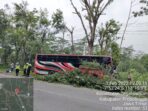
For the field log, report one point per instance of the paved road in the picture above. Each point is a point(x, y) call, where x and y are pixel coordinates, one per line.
point(56, 97)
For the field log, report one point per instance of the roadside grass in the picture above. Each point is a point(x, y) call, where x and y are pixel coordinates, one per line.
point(139, 81)
point(135, 76)
point(2, 68)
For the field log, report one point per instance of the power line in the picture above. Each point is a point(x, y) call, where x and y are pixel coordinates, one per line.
point(137, 31)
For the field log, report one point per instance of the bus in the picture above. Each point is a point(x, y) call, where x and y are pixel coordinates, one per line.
point(50, 63)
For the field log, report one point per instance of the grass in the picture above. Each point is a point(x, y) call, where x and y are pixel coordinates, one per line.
point(3, 68)
point(140, 80)
point(135, 75)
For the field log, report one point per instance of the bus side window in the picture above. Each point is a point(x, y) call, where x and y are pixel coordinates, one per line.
point(42, 58)
point(62, 59)
point(39, 57)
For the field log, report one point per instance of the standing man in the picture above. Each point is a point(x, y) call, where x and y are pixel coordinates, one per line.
point(129, 77)
point(17, 69)
point(25, 69)
point(12, 66)
point(28, 69)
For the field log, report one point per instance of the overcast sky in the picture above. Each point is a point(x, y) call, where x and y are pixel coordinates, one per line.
point(137, 34)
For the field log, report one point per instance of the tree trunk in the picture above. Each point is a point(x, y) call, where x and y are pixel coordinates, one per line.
point(90, 48)
point(72, 43)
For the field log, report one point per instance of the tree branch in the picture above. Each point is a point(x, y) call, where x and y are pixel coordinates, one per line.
point(104, 7)
point(80, 17)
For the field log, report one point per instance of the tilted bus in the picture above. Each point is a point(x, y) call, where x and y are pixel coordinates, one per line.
point(49, 63)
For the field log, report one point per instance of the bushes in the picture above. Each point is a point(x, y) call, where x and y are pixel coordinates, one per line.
point(75, 78)
point(93, 64)
point(135, 75)
point(126, 65)
point(3, 68)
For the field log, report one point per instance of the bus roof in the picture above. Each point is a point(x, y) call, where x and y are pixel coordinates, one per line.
point(75, 55)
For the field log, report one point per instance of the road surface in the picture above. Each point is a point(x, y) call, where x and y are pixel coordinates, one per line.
point(56, 97)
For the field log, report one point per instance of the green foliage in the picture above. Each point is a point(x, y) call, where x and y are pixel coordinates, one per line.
point(24, 33)
point(75, 78)
point(93, 64)
point(5, 47)
point(143, 9)
point(128, 61)
point(58, 20)
point(108, 35)
point(115, 53)
point(3, 68)
point(123, 76)
point(144, 61)
point(126, 65)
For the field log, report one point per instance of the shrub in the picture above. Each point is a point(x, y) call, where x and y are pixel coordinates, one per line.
point(75, 78)
point(93, 64)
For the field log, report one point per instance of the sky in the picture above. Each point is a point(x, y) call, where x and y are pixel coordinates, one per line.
point(137, 32)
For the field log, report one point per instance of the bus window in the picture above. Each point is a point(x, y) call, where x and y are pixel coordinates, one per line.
point(39, 57)
point(51, 58)
point(106, 60)
point(62, 59)
point(74, 60)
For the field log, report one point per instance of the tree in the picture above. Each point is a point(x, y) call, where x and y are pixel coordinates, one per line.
point(71, 36)
point(59, 24)
point(23, 31)
point(93, 10)
point(4, 39)
point(144, 61)
point(115, 51)
point(43, 29)
point(128, 61)
point(143, 10)
point(107, 35)
point(58, 20)
point(80, 46)
point(57, 46)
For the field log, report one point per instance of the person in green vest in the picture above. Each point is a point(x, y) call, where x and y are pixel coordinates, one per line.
point(28, 69)
point(25, 69)
point(17, 69)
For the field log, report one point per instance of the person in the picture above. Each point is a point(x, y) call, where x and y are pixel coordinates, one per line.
point(112, 71)
point(129, 77)
point(12, 67)
point(17, 69)
point(25, 69)
point(28, 69)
